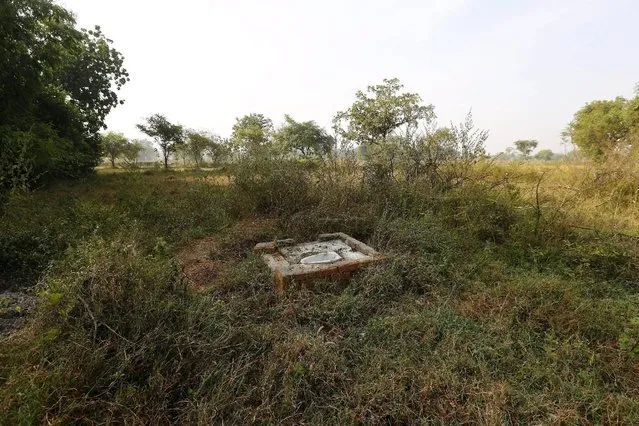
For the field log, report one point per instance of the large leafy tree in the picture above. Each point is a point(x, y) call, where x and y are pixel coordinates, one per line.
point(380, 111)
point(306, 138)
point(601, 127)
point(167, 135)
point(252, 134)
point(57, 85)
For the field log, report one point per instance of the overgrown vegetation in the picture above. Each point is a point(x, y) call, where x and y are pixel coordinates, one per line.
point(508, 297)
point(57, 85)
point(508, 294)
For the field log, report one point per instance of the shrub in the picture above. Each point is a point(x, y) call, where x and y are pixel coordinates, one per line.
point(117, 332)
point(273, 186)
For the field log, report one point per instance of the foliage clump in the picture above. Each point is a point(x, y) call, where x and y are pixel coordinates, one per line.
point(57, 85)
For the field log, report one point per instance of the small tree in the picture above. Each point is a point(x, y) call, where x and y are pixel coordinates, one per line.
point(425, 151)
point(508, 154)
point(601, 127)
point(218, 149)
point(252, 134)
point(149, 152)
point(545, 155)
point(306, 138)
point(376, 120)
point(113, 146)
point(467, 145)
point(167, 135)
point(131, 152)
point(526, 146)
point(444, 155)
point(196, 144)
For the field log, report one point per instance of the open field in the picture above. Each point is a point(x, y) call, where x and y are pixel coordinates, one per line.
point(509, 298)
point(419, 264)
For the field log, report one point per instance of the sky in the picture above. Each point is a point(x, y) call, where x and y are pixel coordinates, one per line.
point(523, 67)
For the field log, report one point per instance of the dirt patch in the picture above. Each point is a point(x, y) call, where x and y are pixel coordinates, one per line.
point(196, 260)
point(239, 240)
point(201, 274)
point(202, 259)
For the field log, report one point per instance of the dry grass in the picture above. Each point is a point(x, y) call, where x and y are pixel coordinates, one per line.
point(508, 299)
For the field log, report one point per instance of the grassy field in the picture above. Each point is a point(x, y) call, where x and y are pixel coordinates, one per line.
point(510, 297)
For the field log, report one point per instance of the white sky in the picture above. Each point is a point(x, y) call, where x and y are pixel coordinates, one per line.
point(524, 67)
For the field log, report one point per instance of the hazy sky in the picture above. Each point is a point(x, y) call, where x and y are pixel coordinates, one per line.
point(524, 67)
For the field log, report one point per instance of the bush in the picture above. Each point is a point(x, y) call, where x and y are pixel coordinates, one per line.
point(117, 332)
point(273, 186)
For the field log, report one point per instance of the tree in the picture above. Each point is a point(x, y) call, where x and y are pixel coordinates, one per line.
point(57, 84)
point(545, 155)
point(113, 146)
point(601, 127)
point(252, 134)
point(132, 151)
point(526, 146)
point(218, 149)
point(508, 154)
point(167, 135)
point(149, 152)
point(376, 114)
point(306, 138)
point(196, 144)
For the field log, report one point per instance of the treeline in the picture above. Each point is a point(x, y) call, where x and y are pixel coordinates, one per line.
point(387, 125)
point(523, 149)
point(599, 130)
point(395, 134)
point(253, 136)
point(58, 83)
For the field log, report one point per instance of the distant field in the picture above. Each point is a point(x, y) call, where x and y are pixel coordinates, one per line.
point(508, 297)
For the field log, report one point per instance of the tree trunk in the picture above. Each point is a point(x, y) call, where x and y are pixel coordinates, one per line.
point(166, 162)
point(112, 162)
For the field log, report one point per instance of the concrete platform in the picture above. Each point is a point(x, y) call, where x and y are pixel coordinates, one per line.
point(333, 256)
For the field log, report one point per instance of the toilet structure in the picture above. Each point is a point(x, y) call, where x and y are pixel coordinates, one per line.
point(334, 256)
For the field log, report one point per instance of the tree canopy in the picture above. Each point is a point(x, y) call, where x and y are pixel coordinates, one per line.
point(113, 146)
point(377, 113)
point(252, 133)
point(200, 143)
point(131, 152)
point(167, 135)
point(57, 85)
point(526, 146)
point(545, 155)
point(305, 138)
point(601, 127)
